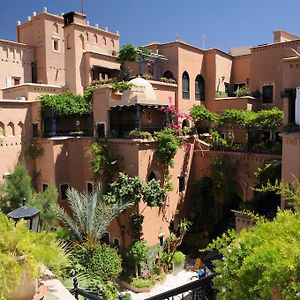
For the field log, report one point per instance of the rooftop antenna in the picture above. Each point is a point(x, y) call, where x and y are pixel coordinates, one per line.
point(82, 6)
point(202, 40)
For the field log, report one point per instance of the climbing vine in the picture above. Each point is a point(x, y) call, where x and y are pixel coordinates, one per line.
point(167, 146)
point(64, 104)
point(102, 163)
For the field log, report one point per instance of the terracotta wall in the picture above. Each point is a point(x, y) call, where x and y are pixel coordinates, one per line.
point(190, 60)
point(210, 79)
point(15, 135)
point(54, 30)
point(223, 70)
point(246, 103)
point(267, 67)
point(245, 163)
point(290, 156)
point(241, 69)
point(15, 62)
point(65, 161)
point(33, 33)
point(31, 91)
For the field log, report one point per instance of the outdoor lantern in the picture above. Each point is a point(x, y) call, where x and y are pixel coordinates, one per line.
point(29, 214)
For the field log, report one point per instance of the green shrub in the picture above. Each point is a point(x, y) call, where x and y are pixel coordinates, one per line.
point(200, 113)
point(142, 282)
point(154, 194)
point(137, 134)
point(244, 91)
point(16, 186)
point(178, 258)
point(221, 94)
point(64, 104)
point(22, 249)
point(99, 261)
point(137, 252)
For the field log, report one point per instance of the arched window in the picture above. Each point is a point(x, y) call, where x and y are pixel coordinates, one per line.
point(104, 40)
point(185, 86)
point(96, 38)
point(199, 88)
point(55, 25)
point(151, 176)
point(2, 129)
point(82, 41)
point(10, 129)
point(112, 43)
point(185, 123)
point(20, 128)
point(169, 75)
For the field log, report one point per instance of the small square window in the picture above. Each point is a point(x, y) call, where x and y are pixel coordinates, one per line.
point(63, 191)
point(116, 243)
point(267, 94)
point(35, 130)
point(90, 187)
point(16, 80)
point(238, 86)
point(105, 238)
point(101, 130)
point(44, 187)
point(181, 181)
point(55, 45)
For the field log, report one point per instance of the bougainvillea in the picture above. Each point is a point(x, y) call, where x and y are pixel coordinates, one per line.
point(176, 117)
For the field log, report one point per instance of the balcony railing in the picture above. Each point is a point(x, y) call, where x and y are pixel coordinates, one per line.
point(201, 289)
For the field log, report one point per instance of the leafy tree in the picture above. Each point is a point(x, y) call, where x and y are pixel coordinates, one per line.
point(154, 194)
point(43, 202)
point(263, 261)
point(125, 189)
point(137, 253)
point(136, 226)
point(91, 214)
point(16, 186)
point(200, 113)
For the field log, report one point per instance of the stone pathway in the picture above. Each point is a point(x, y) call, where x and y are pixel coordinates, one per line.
point(171, 282)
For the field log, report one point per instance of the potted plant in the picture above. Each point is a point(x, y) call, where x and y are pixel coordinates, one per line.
point(22, 253)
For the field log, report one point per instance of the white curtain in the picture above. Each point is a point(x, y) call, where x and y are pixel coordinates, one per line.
point(297, 106)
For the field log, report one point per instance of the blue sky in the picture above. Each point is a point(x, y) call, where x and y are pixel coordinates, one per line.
point(224, 23)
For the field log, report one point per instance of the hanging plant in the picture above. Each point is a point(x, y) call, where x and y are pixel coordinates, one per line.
point(167, 146)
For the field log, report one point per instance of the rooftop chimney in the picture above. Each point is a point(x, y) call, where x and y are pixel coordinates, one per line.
point(29, 18)
point(34, 14)
point(45, 9)
point(19, 23)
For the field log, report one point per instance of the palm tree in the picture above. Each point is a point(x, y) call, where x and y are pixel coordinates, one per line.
point(91, 215)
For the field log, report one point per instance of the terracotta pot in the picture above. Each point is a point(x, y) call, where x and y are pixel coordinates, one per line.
point(25, 290)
